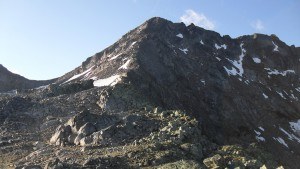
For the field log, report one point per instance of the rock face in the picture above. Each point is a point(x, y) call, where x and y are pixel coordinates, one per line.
point(10, 81)
point(165, 95)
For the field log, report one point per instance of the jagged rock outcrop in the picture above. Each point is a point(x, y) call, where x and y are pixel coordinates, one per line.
point(165, 95)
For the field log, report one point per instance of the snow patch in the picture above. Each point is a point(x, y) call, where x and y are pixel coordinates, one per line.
point(185, 50)
point(280, 93)
point(179, 35)
point(219, 47)
point(231, 71)
point(277, 72)
point(94, 78)
point(42, 87)
point(133, 43)
point(258, 136)
point(79, 75)
point(290, 136)
point(238, 64)
point(203, 81)
point(261, 128)
point(295, 126)
point(115, 57)
point(257, 132)
point(125, 66)
point(247, 82)
point(110, 81)
point(298, 89)
point(294, 97)
point(265, 96)
point(256, 60)
point(201, 42)
point(281, 141)
point(219, 59)
point(275, 47)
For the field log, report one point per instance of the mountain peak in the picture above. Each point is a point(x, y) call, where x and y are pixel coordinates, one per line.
point(158, 81)
point(157, 20)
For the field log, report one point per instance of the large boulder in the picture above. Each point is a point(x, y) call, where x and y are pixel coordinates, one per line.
point(87, 129)
point(61, 135)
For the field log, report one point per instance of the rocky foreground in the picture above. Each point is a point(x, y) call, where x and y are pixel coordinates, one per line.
point(165, 95)
point(60, 132)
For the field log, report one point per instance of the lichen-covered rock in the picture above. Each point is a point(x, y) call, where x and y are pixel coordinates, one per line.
point(214, 162)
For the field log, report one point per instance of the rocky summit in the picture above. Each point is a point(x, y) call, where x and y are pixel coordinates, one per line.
point(165, 95)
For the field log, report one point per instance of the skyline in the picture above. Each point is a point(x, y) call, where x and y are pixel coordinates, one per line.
point(44, 40)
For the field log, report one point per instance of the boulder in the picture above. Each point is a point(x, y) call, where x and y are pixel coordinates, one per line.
point(78, 138)
point(79, 120)
point(87, 129)
point(61, 135)
point(215, 161)
point(86, 140)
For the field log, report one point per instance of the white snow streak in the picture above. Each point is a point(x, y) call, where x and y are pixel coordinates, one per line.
point(231, 71)
point(125, 66)
point(115, 57)
point(238, 64)
point(179, 35)
point(295, 126)
point(111, 81)
point(258, 136)
point(219, 59)
point(133, 43)
point(184, 50)
point(78, 75)
point(290, 136)
point(261, 128)
point(256, 60)
point(280, 93)
point(265, 96)
point(281, 141)
point(219, 47)
point(201, 42)
point(277, 72)
point(203, 81)
point(275, 47)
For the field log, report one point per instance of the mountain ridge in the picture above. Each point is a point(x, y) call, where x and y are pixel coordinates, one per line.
point(182, 91)
point(11, 81)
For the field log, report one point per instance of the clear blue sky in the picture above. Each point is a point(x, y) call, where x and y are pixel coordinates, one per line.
point(45, 39)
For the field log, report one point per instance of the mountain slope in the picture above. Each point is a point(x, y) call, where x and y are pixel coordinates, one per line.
point(180, 92)
point(10, 81)
point(234, 86)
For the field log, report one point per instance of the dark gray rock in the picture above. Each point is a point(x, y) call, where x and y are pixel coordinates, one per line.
point(61, 135)
point(55, 164)
point(11, 81)
point(87, 129)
